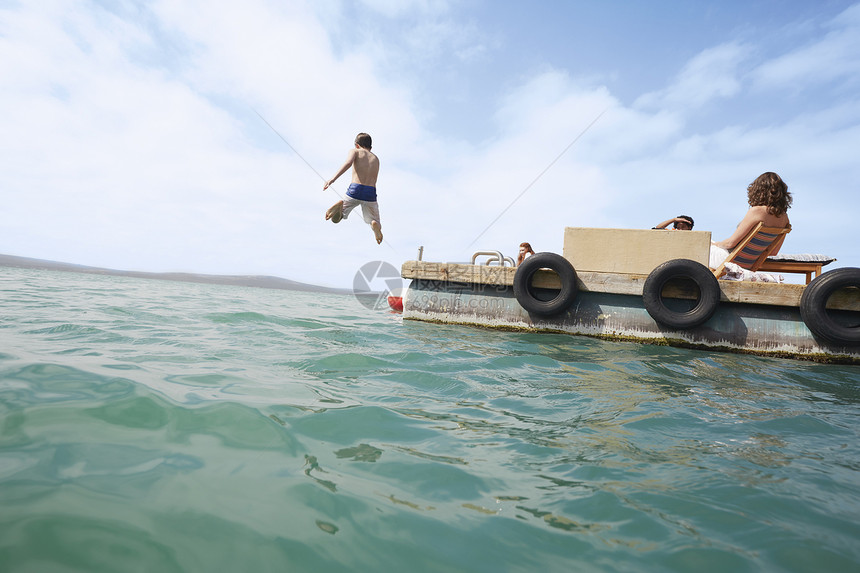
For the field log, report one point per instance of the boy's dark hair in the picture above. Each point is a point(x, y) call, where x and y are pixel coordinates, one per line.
point(685, 217)
point(363, 140)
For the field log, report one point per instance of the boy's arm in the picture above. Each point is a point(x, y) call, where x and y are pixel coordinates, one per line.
point(349, 161)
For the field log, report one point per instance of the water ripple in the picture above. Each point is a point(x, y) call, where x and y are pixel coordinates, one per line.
point(174, 427)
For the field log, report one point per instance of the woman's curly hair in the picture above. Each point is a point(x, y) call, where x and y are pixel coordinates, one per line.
point(770, 190)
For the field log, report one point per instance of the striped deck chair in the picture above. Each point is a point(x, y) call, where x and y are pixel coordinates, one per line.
point(754, 249)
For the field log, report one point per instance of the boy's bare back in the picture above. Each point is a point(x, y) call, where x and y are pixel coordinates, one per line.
point(365, 166)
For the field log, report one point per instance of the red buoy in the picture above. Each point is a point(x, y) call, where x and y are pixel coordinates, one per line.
point(395, 300)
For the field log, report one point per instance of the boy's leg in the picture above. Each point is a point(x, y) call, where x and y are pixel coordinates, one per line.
point(370, 211)
point(377, 231)
point(335, 212)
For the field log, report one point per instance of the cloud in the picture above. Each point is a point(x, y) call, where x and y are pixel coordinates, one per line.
point(712, 74)
point(397, 8)
point(111, 157)
point(835, 56)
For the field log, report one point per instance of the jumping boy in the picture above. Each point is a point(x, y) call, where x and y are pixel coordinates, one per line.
point(362, 190)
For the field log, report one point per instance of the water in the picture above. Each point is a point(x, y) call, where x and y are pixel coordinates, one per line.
point(158, 426)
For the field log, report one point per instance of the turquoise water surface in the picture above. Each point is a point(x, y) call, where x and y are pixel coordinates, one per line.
point(162, 426)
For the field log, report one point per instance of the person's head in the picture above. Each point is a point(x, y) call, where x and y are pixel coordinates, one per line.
point(770, 190)
point(686, 224)
point(525, 249)
point(363, 140)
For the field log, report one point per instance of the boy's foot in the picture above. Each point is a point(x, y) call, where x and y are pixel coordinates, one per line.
point(377, 231)
point(335, 212)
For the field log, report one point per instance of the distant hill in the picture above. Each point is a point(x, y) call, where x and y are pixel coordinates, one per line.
point(236, 280)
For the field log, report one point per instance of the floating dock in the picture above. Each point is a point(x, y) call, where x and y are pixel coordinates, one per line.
point(749, 317)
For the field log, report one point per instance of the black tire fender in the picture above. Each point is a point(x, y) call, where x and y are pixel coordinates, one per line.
point(813, 304)
point(525, 294)
point(706, 305)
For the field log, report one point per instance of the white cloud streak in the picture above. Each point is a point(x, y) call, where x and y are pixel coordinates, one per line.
point(713, 74)
point(835, 56)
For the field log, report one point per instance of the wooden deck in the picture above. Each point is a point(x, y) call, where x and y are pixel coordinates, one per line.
point(618, 283)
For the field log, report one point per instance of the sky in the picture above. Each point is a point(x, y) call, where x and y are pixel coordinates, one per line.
point(195, 135)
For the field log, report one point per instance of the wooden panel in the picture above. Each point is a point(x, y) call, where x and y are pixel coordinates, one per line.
point(761, 293)
point(636, 251)
point(457, 272)
point(618, 283)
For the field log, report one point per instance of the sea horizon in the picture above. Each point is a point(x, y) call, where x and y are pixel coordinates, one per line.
point(253, 280)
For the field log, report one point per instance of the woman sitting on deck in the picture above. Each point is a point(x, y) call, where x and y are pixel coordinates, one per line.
point(769, 201)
